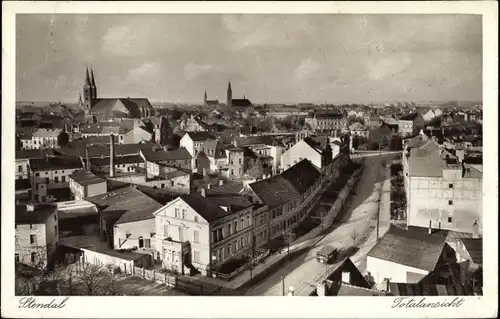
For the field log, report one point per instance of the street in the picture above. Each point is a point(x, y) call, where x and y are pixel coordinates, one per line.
point(356, 229)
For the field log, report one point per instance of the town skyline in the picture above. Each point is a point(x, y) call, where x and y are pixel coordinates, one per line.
point(268, 58)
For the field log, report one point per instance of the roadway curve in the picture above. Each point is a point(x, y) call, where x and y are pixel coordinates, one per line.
point(305, 272)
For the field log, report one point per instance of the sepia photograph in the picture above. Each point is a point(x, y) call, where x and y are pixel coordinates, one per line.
point(217, 154)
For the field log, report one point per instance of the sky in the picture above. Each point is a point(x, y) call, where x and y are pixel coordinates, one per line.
point(274, 58)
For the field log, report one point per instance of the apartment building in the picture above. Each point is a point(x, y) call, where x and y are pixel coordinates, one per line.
point(36, 234)
point(442, 190)
point(45, 138)
point(325, 120)
point(201, 231)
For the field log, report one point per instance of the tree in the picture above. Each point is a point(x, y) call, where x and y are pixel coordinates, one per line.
point(63, 139)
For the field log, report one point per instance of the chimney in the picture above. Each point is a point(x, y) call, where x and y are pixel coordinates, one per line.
point(475, 230)
point(87, 160)
point(209, 186)
point(321, 289)
point(346, 277)
point(430, 227)
point(203, 192)
point(387, 284)
point(221, 182)
point(30, 207)
point(112, 156)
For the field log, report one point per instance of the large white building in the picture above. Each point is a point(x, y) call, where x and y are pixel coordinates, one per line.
point(442, 189)
point(45, 138)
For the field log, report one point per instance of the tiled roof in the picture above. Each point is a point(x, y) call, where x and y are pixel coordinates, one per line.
point(427, 160)
point(318, 147)
point(228, 188)
point(103, 108)
point(52, 163)
point(119, 160)
point(205, 207)
point(474, 247)
point(28, 154)
point(132, 203)
point(84, 177)
point(241, 102)
point(161, 155)
point(292, 183)
point(39, 215)
point(200, 136)
point(414, 247)
point(103, 150)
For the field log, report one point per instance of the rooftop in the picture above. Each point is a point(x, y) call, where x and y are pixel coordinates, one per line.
point(414, 247)
point(38, 215)
point(126, 205)
point(209, 210)
point(161, 155)
point(200, 136)
point(53, 163)
point(474, 247)
point(85, 177)
point(46, 132)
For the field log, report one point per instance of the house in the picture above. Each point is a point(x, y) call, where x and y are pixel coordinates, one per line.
point(45, 138)
point(122, 163)
point(288, 195)
point(442, 189)
point(83, 184)
point(193, 142)
point(215, 151)
point(372, 120)
point(191, 124)
point(202, 232)
point(179, 158)
point(50, 174)
point(309, 149)
point(26, 139)
point(410, 124)
point(408, 255)
point(358, 129)
point(127, 218)
point(162, 130)
point(138, 134)
point(344, 279)
point(429, 115)
point(36, 234)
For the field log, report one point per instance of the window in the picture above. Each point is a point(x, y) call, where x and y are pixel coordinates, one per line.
point(31, 226)
point(196, 235)
point(20, 168)
point(196, 256)
point(181, 233)
point(184, 213)
point(177, 213)
point(32, 239)
point(196, 218)
point(248, 220)
point(450, 219)
point(172, 183)
point(214, 236)
point(450, 185)
point(239, 160)
point(141, 242)
point(63, 179)
point(17, 241)
point(235, 226)
point(33, 257)
point(221, 254)
point(229, 249)
point(17, 258)
point(229, 229)
point(450, 202)
point(165, 230)
point(235, 246)
point(37, 174)
point(56, 179)
point(55, 217)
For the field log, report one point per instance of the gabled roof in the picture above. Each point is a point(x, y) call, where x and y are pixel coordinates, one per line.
point(161, 155)
point(474, 247)
point(213, 148)
point(205, 207)
point(126, 205)
point(200, 136)
point(84, 177)
point(280, 189)
point(314, 144)
point(414, 247)
point(103, 108)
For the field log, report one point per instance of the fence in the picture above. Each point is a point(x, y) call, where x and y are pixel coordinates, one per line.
point(262, 254)
point(153, 275)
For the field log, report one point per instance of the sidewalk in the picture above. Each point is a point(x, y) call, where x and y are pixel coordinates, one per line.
point(272, 260)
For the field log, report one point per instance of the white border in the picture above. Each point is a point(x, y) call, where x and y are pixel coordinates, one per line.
point(252, 307)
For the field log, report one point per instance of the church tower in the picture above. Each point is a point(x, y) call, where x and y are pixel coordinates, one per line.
point(87, 90)
point(205, 99)
point(229, 95)
point(93, 85)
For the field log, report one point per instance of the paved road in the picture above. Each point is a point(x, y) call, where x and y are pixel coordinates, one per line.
point(305, 272)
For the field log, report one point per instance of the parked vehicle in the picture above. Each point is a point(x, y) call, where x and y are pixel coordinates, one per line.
point(326, 254)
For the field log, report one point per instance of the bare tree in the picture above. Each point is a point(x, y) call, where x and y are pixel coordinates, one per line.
point(96, 280)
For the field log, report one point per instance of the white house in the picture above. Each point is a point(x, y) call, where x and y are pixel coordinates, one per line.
point(307, 148)
point(193, 142)
point(407, 255)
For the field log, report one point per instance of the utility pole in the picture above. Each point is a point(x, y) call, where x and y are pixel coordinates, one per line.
point(283, 285)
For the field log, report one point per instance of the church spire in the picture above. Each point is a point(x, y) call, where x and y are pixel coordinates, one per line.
point(92, 80)
point(229, 95)
point(87, 77)
point(205, 98)
point(92, 84)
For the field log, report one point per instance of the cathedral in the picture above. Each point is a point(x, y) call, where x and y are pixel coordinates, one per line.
point(230, 102)
point(109, 109)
